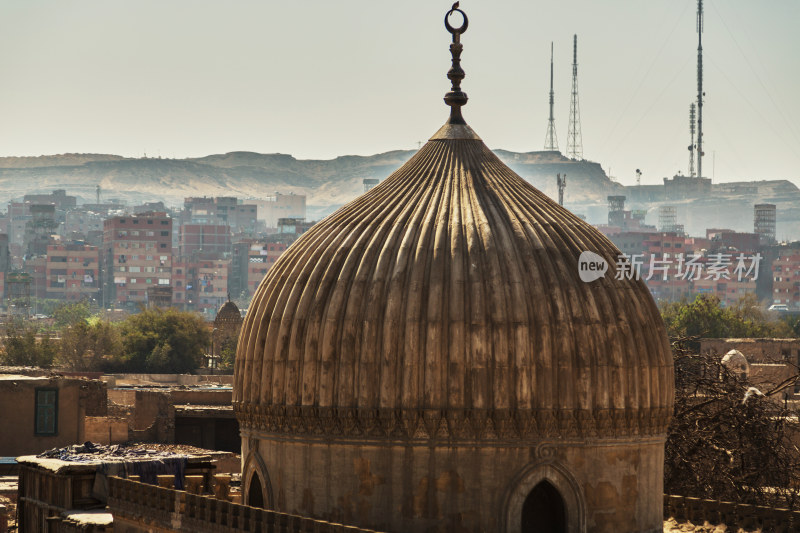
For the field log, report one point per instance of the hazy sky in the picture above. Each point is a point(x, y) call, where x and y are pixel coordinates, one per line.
point(319, 79)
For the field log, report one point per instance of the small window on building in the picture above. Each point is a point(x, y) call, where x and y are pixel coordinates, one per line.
point(46, 422)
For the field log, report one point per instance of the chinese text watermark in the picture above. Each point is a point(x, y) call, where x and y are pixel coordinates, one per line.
point(688, 267)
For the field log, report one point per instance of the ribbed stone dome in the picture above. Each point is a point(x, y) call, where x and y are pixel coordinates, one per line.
point(431, 358)
point(450, 292)
point(228, 314)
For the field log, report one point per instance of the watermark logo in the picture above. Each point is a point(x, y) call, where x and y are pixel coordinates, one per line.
point(591, 266)
point(692, 267)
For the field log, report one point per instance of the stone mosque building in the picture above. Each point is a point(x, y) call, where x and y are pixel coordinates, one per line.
point(428, 359)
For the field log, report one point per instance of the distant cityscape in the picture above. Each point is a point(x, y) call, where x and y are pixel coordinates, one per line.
point(127, 257)
point(775, 282)
point(118, 256)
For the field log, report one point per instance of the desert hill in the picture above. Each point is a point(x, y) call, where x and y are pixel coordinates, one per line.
point(248, 174)
point(329, 184)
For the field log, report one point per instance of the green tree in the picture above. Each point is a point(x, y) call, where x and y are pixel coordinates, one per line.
point(227, 352)
point(159, 341)
point(793, 322)
point(90, 345)
point(705, 317)
point(22, 348)
point(71, 313)
point(45, 306)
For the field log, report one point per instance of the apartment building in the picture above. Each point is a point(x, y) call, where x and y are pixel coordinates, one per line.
point(72, 271)
point(786, 280)
point(223, 210)
point(250, 262)
point(207, 285)
point(137, 254)
point(204, 240)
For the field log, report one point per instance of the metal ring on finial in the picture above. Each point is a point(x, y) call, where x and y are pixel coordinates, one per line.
point(460, 29)
point(456, 98)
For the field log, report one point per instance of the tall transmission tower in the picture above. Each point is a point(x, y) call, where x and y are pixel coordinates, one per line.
point(691, 144)
point(700, 93)
point(550, 140)
point(574, 140)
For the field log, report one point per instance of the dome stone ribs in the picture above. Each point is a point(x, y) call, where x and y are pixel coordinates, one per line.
point(508, 307)
point(593, 241)
point(453, 285)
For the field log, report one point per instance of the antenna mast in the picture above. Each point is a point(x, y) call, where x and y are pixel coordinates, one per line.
point(691, 144)
point(700, 93)
point(550, 140)
point(574, 141)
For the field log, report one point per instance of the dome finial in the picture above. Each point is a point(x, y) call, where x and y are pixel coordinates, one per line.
point(456, 98)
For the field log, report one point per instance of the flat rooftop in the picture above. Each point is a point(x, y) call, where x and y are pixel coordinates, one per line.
point(88, 456)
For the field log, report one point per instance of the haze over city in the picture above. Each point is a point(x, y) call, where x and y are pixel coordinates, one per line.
point(320, 79)
point(260, 269)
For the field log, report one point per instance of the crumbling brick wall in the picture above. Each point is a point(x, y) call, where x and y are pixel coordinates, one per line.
point(94, 397)
point(153, 417)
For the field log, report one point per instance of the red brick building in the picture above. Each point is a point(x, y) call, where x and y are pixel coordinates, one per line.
point(180, 277)
point(206, 240)
point(207, 286)
point(786, 280)
point(729, 239)
point(137, 253)
point(674, 266)
point(251, 261)
point(37, 268)
point(72, 271)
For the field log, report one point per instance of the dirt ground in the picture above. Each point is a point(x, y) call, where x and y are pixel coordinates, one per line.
point(671, 526)
point(11, 513)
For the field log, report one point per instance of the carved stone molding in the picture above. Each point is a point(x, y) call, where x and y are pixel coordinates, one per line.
point(451, 425)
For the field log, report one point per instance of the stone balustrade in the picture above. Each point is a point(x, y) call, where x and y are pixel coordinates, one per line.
point(144, 507)
point(150, 502)
point(744, 516)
